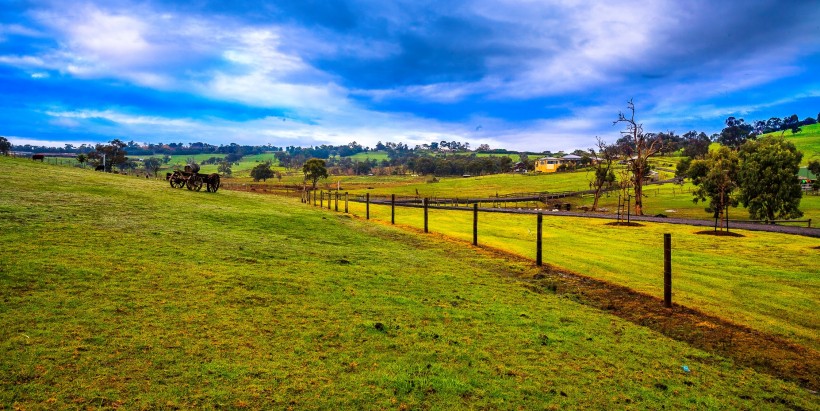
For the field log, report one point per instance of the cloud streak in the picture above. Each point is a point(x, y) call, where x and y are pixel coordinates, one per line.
point(536, 75)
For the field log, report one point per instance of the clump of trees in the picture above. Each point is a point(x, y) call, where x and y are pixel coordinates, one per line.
point(763, 171)
point(111, 155)
point(152, 165)
point(262, 171)
point(5, 146)
point(768, 178)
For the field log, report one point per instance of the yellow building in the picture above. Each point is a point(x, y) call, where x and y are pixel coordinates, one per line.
point(551, 164)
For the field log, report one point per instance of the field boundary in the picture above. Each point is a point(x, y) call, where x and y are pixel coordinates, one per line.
point(764, 352)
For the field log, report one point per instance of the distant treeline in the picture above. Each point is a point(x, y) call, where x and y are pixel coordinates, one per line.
point(435, 158)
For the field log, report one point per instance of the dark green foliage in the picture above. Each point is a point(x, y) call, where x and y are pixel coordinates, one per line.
point(735, 133)
point(695, 145)
point(716, 178)
point(768, 178)
point(314, 169)
point(814, 167)
point(262, 172)
point(5, 146)
point(682, 169)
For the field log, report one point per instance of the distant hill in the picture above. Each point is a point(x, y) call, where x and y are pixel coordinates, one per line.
point(807, 141)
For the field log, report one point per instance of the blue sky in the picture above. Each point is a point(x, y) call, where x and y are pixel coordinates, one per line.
point(527, 75)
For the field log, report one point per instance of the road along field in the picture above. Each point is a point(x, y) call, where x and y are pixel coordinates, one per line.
point(123, 292)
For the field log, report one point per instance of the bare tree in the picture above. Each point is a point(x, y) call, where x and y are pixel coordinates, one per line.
point(603, 155)
point(637, 147)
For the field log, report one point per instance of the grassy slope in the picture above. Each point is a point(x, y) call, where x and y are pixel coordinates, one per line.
point(122, 291)
point(807, 141)
point(766, 281)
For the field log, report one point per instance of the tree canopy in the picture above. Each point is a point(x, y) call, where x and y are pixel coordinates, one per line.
point(768, 178)
point(262, 172)
point(715, 178)
point(5, 146)
point(314, 169)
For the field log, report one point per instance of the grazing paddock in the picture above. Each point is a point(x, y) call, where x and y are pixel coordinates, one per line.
point(766, 281)
point(122, 292)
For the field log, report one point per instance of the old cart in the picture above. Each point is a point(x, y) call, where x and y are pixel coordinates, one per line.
point(190, 178)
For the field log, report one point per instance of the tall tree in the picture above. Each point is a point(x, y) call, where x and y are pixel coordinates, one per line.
point(768, 178)
point(112, 154)
point(696, 145)
point(224, 168)
point(791, 123)
point(715, 178)
point(152, 165)
point(314, 169)
point(735, 133)
point(5, 146)
point(603, 156)
point(637, 148)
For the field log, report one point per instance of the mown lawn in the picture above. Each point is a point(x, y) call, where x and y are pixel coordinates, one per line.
point(122, 292)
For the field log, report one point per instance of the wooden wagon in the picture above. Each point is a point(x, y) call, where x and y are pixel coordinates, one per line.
point(191, 179)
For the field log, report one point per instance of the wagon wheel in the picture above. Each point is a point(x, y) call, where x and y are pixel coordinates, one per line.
point(213, 183)
point(194, 183)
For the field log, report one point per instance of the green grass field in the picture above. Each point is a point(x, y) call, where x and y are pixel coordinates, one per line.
point(121, 292)
point(807, 141)
point(763, 280)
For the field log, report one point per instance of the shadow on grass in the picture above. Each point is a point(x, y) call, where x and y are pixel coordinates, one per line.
point(719, 233)
point(766, 353)
point(624, 224)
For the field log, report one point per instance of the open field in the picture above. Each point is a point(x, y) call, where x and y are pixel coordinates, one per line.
point(763, 280)
point(807, 141)
point(123, 292)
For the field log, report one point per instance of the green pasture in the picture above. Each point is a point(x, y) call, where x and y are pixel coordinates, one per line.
point(763, 280)
point(490, 185)
point(120, 292)
point(807, 141)
point(370, 155)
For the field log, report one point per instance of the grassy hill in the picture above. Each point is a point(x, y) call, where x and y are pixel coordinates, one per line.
point(122, 292)
point(807, 141)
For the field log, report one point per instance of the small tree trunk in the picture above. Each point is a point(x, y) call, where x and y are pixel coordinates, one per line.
point(597, 196)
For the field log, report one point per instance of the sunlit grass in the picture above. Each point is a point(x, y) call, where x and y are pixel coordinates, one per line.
point(122, 292)
point(764, 280)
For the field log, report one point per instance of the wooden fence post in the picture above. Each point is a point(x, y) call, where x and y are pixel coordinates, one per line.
point(337, 201)
point(321, 199)
point(425, 215)
point(329, 200)
point(538, 261)
point(667, 270)
point(367, 207)
point(475, 223)
point(345, 202)
point(392, 209)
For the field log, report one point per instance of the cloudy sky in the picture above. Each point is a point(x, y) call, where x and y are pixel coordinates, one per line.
point(528, 75)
